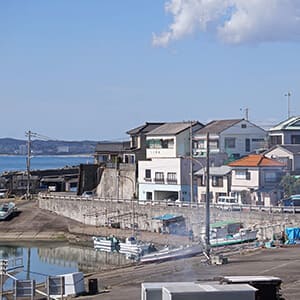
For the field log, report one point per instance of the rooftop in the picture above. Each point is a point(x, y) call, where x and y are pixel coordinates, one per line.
point(256, 160)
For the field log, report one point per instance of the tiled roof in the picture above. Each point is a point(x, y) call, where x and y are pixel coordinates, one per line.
point(107, 146)
point(218, 126)
point(256, 160)
point(148, 126)
point(172, 128)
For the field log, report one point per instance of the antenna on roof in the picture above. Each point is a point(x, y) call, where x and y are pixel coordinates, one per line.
point(288, 95)
point(246, 111)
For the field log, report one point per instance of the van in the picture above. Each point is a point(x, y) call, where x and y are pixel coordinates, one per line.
point(228, 203)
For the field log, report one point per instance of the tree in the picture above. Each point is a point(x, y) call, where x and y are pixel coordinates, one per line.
point(290, 185)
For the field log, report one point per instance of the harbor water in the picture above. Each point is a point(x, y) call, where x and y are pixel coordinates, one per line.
point(40, 260)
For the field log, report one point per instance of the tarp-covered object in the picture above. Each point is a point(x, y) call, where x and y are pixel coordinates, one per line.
point(292, 235)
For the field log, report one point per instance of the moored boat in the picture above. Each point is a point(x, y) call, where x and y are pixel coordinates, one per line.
point(105, 243)
point(170, 254)
point(230, 233)
point(131, 245)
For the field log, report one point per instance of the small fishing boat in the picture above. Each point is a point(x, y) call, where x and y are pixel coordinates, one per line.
point(6, 210)
point(170, 254)
point(132, 246)
point(230, 233)
point(109, 243)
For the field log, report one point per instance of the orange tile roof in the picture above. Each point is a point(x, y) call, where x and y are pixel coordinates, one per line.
point(256, 160)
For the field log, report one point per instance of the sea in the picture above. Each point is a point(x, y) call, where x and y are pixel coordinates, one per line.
point(18, 162)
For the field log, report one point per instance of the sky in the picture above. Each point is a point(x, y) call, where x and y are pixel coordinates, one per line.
point(94, 69)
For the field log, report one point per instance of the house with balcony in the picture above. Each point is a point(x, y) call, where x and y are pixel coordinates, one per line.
point(285, 133)
point(166, 172)
point(255, 180)
point(233, 137)
point(219, 183)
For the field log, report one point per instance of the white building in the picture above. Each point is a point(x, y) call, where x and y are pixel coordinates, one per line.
point(166, 172)
point(237, 138)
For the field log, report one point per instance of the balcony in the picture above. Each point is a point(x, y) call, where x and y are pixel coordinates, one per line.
point(159, 180)
point(171, 181)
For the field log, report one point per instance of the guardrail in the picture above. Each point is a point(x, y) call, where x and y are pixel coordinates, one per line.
point(174, 204)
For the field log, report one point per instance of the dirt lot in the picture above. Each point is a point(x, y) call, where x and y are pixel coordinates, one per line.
point(32, 223)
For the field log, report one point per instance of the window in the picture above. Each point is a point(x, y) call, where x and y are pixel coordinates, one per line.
point(201, 180)
point(244, 125)
point(229, 143)
point(148, 174)
point(217, 181)
point(242, 174)
point(275, 139)
point(214, 144)
point(201, 144)
point(172, 177)
point(160, 144)
point(271, 177)
point(295, 139)
point(159, 177)
point(149, 196)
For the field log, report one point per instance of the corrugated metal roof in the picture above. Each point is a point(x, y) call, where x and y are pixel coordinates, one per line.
point(292, 123)
point(166, 217)
point(215, 171)
point(217, 126)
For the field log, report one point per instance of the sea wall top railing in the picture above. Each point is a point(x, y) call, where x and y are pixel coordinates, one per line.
point(173, 204)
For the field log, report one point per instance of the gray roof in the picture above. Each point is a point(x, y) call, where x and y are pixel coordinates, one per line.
point(172, 128)
point(217, 126)
point(292, 148)
point(148, 126)
point(215, 171)
point(107, 146)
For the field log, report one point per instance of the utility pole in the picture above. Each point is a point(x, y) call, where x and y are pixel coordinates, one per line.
point(207, 206)
point(288, 95)
point(191, 163)
point(28, 134)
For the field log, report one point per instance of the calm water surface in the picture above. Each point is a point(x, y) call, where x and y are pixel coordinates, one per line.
point(42, 260)
point(18, 162)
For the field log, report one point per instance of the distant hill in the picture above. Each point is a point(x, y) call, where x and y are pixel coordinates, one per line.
point(12, 146)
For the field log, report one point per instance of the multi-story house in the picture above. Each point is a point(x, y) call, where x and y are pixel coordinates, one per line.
point(288, 154)
point(236, 138)
point(166, 174)
point(286, 132)
point(255, 179)
point(219, 182)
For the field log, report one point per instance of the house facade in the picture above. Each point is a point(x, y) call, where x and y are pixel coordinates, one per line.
point(285, 133)
point(287, 154)
point(235, 137)
point(166, 172)
point(219, 183)
point(255, 180)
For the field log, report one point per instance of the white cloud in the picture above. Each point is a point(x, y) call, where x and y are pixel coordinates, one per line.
point(233, 21)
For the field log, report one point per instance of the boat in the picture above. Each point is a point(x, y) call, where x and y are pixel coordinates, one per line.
point(229, 233)
point(6, 210)
point(170, 254)
point(133, 246)
point(109, 243)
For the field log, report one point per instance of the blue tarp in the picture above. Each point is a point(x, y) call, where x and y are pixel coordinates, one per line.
point(292, 235)
point(166, 217)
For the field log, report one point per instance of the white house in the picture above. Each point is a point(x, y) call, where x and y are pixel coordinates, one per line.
point(236, 137)
point(219, 183)
point(286, 132)
point(255, 179)
point(166, 173)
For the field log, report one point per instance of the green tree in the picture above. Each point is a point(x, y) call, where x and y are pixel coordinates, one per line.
point(290, 185)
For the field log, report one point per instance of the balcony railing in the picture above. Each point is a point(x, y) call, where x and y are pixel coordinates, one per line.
point(159, 180)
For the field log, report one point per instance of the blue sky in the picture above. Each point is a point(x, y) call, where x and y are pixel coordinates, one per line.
point(86, 69)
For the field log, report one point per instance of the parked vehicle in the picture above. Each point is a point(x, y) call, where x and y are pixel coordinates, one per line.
point(293, 200)
point(228, 203)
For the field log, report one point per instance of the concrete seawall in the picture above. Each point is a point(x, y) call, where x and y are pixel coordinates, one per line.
point(100, 212)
